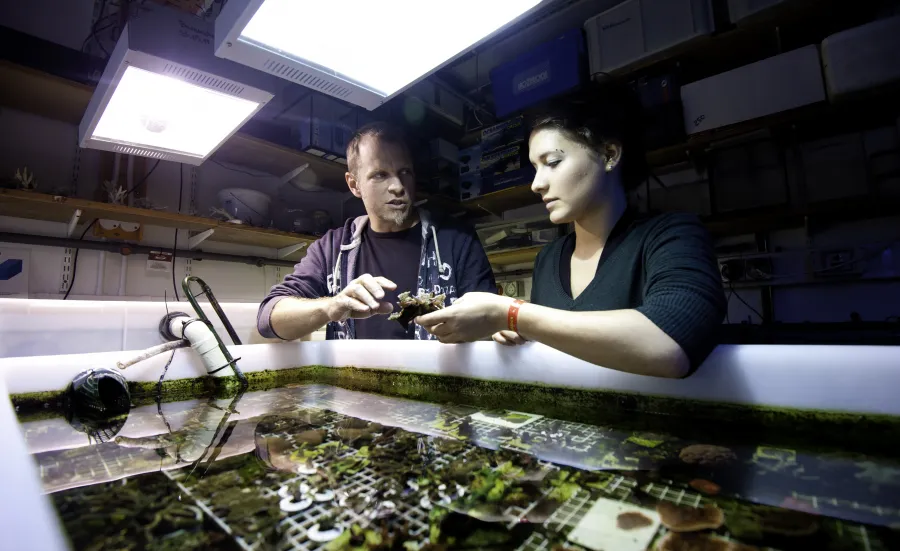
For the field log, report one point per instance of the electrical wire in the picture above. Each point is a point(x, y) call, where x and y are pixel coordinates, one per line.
point(175, 245)
point(740, 298)
point(144, 179)
point(94, 30)
point(75, 259)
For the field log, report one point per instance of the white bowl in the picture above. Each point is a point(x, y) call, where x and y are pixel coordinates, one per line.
point(248, 205)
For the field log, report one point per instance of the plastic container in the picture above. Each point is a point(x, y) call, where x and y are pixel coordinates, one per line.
point(552, 68)
point(776, 84)
point(248, 205)
point(637, 29)
point(742, 9)
point(862, 58)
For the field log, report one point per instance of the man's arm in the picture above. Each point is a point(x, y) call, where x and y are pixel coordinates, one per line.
point(307, 282)
point(295, 317)
point(292, 318)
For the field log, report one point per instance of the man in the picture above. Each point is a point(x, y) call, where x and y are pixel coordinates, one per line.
point(350, 278)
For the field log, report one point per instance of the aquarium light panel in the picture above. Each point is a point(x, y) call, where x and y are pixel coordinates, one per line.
point(162, 112)
point(361, 51)
point(165, 95)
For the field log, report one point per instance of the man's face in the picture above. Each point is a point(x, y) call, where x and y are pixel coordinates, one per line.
point(385, 182)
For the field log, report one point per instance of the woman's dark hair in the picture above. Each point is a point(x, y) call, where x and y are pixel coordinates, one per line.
point(600, 113)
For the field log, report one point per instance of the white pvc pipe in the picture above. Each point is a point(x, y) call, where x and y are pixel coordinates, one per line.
point(101, 260)
point(202, 340)
point(123, 266)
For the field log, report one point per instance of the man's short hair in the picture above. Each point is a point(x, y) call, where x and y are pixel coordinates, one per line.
point(382, 131)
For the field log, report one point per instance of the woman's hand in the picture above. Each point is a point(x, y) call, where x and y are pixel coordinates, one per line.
point(472, 317)
point(508, 338)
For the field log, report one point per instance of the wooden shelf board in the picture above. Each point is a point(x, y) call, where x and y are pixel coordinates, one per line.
point(258, 154)
point(514, 256)
point(40, 206)
point(43, 94)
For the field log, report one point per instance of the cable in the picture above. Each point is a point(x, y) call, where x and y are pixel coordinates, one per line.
point(175, 245)
point(740, 298)
point(658, 181)
point(727, 302)
point(144, 179)
point(75, 259)
point(94, 30)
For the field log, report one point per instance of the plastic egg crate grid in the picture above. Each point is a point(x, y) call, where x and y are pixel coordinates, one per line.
point(294, 529)
point(568, 515)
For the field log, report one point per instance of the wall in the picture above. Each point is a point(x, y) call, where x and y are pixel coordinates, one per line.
point(48, 148)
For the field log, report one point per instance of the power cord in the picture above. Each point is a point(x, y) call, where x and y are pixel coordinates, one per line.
point(95, 30)
point(175, 244)
point(144, 179)
point(740, 298)
point(75, 259)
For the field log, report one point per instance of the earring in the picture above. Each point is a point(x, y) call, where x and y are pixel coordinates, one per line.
point(609, 167)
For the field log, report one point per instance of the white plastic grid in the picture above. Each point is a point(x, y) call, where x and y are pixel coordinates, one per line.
point(294, 529)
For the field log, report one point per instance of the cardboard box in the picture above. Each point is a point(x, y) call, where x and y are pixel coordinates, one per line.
point(776, 84)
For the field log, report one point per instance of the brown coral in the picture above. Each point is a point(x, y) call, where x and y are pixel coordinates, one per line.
point(684, 518)
point(632, 520)
point(706, 455)
point(412, 307)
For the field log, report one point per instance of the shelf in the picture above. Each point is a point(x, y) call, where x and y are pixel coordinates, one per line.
point(514, 256)
point(40, 206)
point(56, 98)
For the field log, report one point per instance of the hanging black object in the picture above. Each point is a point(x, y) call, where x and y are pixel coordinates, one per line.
point(97, 402)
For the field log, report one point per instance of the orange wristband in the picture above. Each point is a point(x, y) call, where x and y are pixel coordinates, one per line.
point(512, 317)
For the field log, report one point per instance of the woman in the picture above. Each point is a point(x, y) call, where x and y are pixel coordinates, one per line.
point(635, 293)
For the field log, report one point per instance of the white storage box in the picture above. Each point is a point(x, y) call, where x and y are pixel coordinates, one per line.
point(779, 83)
point(636, 29)
point(742, 9)
point(862, 58)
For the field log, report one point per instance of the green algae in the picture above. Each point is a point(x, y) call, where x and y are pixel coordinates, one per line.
point(817, 429)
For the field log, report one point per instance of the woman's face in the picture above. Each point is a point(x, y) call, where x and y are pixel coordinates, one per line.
point(570, 177)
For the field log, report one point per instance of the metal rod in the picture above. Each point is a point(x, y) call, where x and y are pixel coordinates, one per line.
point(124, 248)
point(201, 315)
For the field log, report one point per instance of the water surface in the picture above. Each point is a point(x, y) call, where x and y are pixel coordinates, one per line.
point(320, 467)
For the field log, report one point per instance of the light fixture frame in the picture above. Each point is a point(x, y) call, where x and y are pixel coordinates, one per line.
point(235, 16)
point(151, 42)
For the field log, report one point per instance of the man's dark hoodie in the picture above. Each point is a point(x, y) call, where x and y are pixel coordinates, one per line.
point(452, 262)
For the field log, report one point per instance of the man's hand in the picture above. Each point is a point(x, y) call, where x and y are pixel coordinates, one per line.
point(472, 317)
point(361, 298)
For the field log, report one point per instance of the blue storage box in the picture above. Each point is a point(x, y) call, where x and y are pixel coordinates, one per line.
point(549, 69)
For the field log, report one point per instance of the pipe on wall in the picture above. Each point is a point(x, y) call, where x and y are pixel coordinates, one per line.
point(126, 249)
